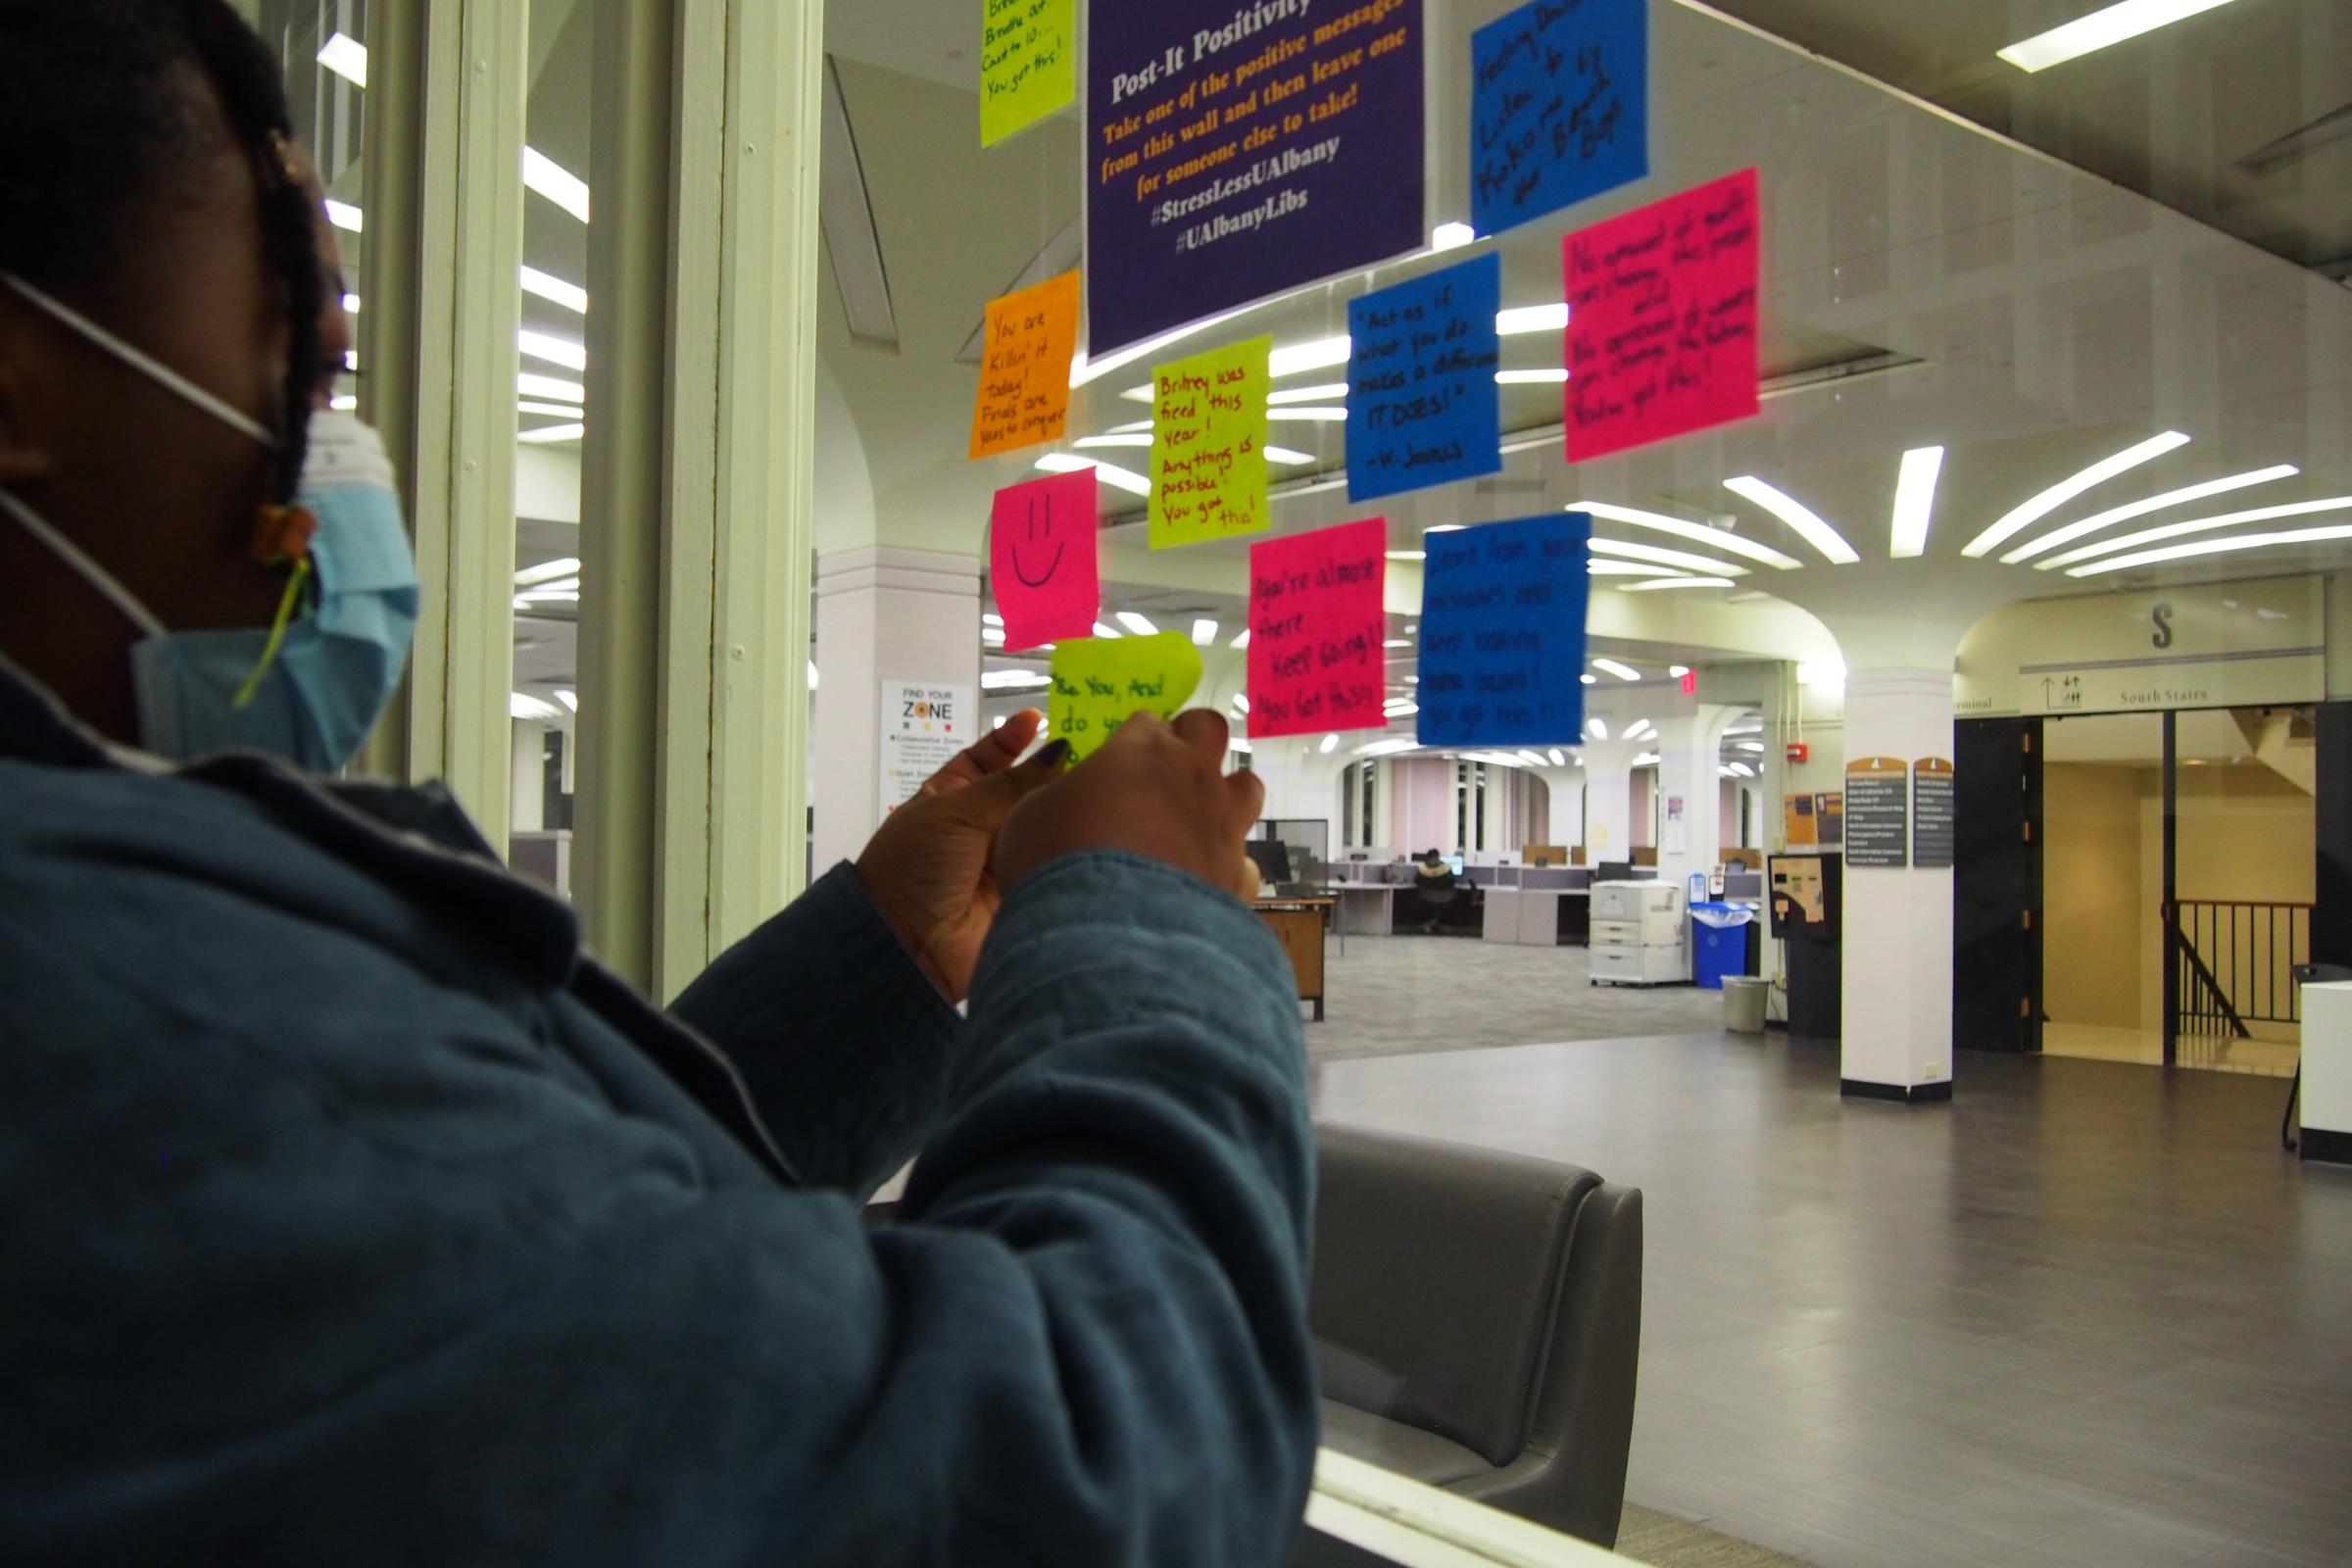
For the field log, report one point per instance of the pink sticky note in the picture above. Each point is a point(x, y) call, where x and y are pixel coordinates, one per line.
point(1662, 318)
point(1042, 561)
point(1316, 624)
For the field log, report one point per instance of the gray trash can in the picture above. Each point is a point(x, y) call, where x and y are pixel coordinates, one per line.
point(1744, 998)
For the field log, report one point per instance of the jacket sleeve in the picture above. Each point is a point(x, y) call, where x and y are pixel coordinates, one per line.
point(847, 1048)
point(366, 1317)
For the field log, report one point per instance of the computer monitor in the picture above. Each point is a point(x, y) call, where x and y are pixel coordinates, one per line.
point(1614, 871)
point(1456, 862)
point(1273, 860)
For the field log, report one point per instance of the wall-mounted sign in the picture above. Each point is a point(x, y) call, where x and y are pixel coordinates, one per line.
point(1932, 814)
point(2212, 644)
point(925, 724)
point(1878, 812)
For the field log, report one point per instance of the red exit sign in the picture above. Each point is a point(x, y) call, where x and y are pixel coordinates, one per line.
point(1689, 683)
point(1799, 752)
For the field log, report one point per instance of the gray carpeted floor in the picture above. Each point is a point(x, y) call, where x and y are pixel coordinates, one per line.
point(1405, 995)
point(1664, 1542)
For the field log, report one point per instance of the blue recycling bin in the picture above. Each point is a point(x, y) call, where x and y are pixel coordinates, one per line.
point(1719, 941)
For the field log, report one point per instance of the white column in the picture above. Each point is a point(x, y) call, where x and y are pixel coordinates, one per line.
point(1897, 930)
point(1688, 749)
point(881, 616)
point(1567, 786)
point(1609, 803)
point(527, 779)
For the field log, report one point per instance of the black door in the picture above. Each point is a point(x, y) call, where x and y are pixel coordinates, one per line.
point(1996, 885)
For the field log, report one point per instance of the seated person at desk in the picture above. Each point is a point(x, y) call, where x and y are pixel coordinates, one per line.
point(1441, 895)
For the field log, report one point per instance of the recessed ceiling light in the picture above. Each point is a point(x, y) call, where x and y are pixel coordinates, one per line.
point(554, 181)
point(1590, 680)
point(1331, 744)
point(568, 698)
point(521, 706)
point(2176, 530)
point(1526, 318)
point(1242, 641)
point(1598, 728)
point(1660, 554)
point(1721, 539)
point(344, 216)
point(553, 350)
point(2058, 495)
point(2141, 509)
point(1106, 633)
point(2214, 546)
point(1798, 515)
point(553, 435)
point(1141, 626)
point(1240, 703)
point(1610, 667)
point(1451, 236)
point(1559, 759)
point(549, 572)
point(1289, 459)
point(351, 304)
point(343, 402)
point(989, 617)
point(533, 385)
point(1110, 473)
point(2101, 29)
point(1915, 503)
point(1205, 632)
point(346, 57)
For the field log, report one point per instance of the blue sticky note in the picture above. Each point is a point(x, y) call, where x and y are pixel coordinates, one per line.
point(1503, 634)
point(1422, 408)
point(1559, 107)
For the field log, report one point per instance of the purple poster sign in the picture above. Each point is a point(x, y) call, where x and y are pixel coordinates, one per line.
point(1236, 151)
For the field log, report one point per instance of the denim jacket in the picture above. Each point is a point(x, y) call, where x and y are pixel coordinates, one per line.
point(349, 1215)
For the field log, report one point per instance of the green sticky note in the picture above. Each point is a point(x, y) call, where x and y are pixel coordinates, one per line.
point(1102, 682)
point(1028, 64)
point(1208, 446)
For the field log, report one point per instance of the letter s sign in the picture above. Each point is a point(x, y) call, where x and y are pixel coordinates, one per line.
point(2162, 616)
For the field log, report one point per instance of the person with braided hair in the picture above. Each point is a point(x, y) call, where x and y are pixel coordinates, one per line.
point(351, 1214)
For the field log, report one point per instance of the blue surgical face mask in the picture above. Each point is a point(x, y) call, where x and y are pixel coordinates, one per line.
point(335, 667)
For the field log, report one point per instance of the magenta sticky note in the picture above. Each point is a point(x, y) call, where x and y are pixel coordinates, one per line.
point(1317, 622)
point(1042, 561)
point(1662, 318)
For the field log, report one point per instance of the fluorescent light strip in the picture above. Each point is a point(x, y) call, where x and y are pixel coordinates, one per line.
point(2214, 547)
point(1624, 569)
point(1451, 236)
point(1714, 538)
point(561, 411)
point(553, 289)
point(1659, 584)
point(2175, 530)
point(2141, 509)
point(554, 181)
point(1141, 626)
point(1109, 473)
point(1320, 355)
point(533, 385)
point(1289, 459)
point(344, 216)
point(1308, 394)
point(1243, 641)
point(1108, 634)
point(1530, 377)
point(997, 680)
point(1142, 440)
point(550, 571)
point(1610, 667)
point(2101, 29)
point(1664, 557)
point(1309, 416)
point(1598, 728)
point(553, 435)
point(1205, 632)
point(1798, 515)
point(1915, 503)
point(346, 57)
point(1527, 318)
point(553, 350)
point(343, 402)
point(2058, 495)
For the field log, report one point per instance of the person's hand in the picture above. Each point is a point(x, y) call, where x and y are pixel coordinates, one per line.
point(928, 867)
point(1155, 789)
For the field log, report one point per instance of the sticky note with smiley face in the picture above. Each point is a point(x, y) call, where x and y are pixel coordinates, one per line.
point(1042, 562)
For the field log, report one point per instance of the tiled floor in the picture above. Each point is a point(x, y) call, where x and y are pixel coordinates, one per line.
point(2085, 1314)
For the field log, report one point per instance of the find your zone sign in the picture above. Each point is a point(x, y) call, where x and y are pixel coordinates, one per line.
point(924, 726)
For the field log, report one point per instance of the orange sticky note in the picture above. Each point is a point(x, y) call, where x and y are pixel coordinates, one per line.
point(1025, 367)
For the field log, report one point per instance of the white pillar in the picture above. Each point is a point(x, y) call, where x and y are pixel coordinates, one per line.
point(1689, 748)
point(526, 812)
point(881, 616)
point(1898, 929)
point(1567, 786)
point(1609, 799)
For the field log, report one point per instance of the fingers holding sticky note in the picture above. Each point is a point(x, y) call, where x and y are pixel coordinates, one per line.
point(1099, 683)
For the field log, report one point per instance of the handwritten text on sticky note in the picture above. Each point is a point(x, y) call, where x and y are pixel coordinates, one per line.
point(1422, 408)
point(1042, 561)
point(1025, 367)
point(1028, 64)
point(1102, 682)
point(1662, 320)
point(1559, 107)
point(1208, 446)
point(1503, 634)
point(1317, 620)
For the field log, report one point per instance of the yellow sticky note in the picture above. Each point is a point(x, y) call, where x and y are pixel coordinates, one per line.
point(1028, 64)
point(1025, 367)
point(1102, 682)
point(1208, 446)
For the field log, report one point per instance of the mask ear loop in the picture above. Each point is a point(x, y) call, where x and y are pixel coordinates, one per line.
point(283, 535)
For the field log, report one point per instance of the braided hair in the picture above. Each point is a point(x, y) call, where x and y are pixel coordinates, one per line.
point(99, 123)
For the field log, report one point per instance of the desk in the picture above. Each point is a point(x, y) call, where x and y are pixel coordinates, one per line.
point(1299, 926)
point(1366, 909)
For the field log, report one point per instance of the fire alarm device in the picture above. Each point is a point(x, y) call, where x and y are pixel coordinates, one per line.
point(1799, 752)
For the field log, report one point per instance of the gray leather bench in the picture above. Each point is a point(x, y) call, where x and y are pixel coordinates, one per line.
point(1477, 1322)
